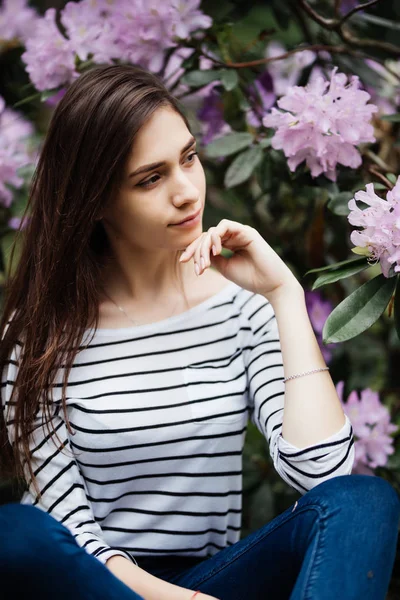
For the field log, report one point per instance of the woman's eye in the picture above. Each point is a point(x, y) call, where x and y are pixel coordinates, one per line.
point(192, 155)
point(155, 178)
point(149, 181)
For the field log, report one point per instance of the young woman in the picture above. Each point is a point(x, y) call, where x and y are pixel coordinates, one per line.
point(133, 354)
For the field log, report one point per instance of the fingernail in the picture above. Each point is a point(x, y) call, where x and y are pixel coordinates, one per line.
point(182, 256)
point(203, 263)
point(214, 250)
point(196, 268)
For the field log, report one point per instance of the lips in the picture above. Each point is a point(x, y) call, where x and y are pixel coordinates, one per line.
point(193, 216)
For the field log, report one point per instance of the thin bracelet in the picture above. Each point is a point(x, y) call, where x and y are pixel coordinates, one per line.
point(195, 594)
point(306, 373)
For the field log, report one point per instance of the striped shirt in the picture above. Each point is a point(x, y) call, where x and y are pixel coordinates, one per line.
point(159, 414)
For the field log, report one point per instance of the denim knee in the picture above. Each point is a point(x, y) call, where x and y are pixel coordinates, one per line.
point(26, 532)
point(369, 491)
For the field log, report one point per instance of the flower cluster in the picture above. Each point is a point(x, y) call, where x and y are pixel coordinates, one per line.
point(372, 428)
point(381, 223)
point(133, 31)
point(16, 20)
point(14, 150)
point(322, 123)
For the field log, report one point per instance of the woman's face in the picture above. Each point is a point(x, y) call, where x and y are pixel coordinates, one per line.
point(150, 203)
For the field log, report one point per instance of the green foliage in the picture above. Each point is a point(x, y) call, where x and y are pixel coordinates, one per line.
point(242, 166)
point(229, 144)
point(359, 310)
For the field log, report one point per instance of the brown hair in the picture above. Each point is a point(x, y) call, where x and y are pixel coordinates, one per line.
point(53, 294)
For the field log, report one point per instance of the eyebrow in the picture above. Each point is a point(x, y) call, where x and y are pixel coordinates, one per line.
point(152, 166)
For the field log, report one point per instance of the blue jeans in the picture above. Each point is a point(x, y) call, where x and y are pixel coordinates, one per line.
point(337, 541)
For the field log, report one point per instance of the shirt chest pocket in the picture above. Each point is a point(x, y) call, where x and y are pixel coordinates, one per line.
point(217, 389)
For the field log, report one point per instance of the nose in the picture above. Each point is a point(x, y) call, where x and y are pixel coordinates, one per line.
point(183, 189)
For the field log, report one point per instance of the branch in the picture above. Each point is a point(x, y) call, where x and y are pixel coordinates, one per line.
point(355, 10)
point(326, 23)
point(337, 7)
point(337, 25)
point(313, 47)
point(377, 160)
point(368, 43)
point(263, 61)
point(372, 169)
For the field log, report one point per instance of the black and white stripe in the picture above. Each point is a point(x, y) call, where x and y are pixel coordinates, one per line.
point(159, 414)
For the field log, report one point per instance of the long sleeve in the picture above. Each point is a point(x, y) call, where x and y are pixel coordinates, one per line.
point(303, 468)
point(58, 476)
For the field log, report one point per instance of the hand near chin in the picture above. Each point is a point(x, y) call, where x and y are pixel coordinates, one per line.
point(254, 265)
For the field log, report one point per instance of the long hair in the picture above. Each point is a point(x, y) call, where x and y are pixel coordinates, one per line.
point(53, 294)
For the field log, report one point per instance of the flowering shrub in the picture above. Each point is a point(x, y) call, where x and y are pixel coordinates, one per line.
point(16, 151)
point(322, 124)
point(381, 222)
point(372, 428)
point(128, 30)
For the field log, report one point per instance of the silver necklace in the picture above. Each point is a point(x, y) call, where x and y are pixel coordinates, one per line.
point(125, 313)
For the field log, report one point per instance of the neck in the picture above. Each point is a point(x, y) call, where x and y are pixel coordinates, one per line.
point(148, 280)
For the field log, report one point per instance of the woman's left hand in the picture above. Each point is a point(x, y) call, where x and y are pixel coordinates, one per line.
point(254, 266)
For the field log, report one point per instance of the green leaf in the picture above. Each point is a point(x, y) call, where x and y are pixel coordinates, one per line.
point(395, 118)
point(243, 166)
point(49, 93)
point(229, 79)
point(342, 273)
point(338, 204)
point(392, 177)
point(265, 142)
point(359, 311)
point(27, 99)
point(350, 261)
point(396, 308)
point(229, 144)
point(264, 170)
point(199, 78)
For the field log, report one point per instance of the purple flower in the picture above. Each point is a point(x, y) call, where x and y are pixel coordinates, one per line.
point(14, 151)
point(16, 20)
point(134, 31)
point(323, 123)
point(286, 72)
point(385, 92)
point(49, 56)
point(174, 71)
point(261, 97)
point(188, 18)
point(88, 31)
point(318, 311)
point(52, 101)
point(143, 29)
point(211, 116)
point(17, 223)
point(372, 428)
point(381, 223)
